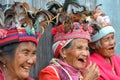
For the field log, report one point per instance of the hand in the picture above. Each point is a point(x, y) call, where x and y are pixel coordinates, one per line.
point(91, 72)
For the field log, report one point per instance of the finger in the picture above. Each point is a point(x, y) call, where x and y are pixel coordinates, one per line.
point(90, 64)
point(97, 72)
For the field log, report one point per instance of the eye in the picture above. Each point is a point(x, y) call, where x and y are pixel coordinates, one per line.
point(106, 39)
point(25, 53)
point(34, 53)
point(79, 47)
point(112, 37)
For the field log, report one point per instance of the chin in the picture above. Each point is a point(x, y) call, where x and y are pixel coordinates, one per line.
point(24, 75)
point(112, 54)
point(81, 67)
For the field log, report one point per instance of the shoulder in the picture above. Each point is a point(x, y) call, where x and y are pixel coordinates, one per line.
point(116, 58)
point(49, 73)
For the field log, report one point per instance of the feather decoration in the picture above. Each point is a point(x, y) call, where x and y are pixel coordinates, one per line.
point(37, 28)
point(1, 18)
point(53, 7)
point(42, 18)
point(98, 6)
point(26, 5)
point(30, 30)
point(96, 28)
point(72, 2)
point(9, 12)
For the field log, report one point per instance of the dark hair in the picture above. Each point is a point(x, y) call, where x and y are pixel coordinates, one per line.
point(9, 49)
point(91, 50)
point(96, 44)
point(68, 45)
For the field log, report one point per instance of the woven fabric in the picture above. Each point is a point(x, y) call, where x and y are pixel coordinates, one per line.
point(16, 35)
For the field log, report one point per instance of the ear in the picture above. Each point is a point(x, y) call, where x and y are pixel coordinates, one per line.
point(63, 53)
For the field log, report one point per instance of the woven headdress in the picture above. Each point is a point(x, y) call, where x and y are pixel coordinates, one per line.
point(20, 25)
point(102, 25)
point(68, 26)
point(61, 38)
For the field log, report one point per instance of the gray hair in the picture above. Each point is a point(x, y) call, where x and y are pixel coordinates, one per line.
point(97, 44)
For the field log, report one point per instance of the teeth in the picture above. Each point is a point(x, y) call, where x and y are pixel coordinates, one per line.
point(26, 67)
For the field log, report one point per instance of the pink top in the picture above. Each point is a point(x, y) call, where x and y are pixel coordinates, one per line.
point(108, 71)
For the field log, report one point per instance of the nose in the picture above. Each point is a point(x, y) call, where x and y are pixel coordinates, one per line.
point(31, 60)
point(112, 41)
point(85, 53)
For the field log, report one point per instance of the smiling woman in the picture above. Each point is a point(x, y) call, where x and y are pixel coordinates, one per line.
point(18, 45)
point(71, 53)
point(70, 45)
point(18, 59)
point(76, 54)
point(103, 47)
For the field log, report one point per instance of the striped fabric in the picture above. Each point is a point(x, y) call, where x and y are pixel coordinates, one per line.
point(15, 35)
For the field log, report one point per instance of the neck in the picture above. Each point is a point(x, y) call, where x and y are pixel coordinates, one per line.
point(9, 75)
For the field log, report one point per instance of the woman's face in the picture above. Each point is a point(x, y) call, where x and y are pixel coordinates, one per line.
point(77, 54)
point(107, 48)
point(24, 59)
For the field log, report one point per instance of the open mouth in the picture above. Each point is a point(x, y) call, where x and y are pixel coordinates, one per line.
point(82, 60)
point(26, 68)
point(112, 48)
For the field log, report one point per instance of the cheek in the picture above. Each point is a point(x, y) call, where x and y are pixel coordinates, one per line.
point(72, 57)
point(18, 62)
point(104, 46)
point(69, 57)
point(20, 59)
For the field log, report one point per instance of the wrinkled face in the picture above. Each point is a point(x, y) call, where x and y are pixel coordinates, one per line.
point(24, 59)
point(77, 54)
point(107, 48)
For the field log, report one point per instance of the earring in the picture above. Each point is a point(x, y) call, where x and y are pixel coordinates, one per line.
point(4, 66)
point(63, 56)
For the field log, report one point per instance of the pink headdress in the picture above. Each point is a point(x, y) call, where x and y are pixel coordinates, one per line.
point(62, 38)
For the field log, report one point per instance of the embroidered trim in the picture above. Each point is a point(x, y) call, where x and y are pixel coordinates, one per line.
point(54, 61)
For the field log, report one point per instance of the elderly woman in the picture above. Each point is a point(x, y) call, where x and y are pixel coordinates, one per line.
point(18, 44)
point(71, 52)
point(17, 54)
point(103, 50)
